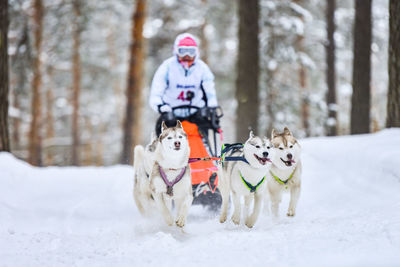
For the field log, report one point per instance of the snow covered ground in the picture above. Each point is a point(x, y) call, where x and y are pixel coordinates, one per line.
point(348, 215)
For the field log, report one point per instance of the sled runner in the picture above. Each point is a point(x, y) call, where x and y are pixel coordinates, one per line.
point(202, 128)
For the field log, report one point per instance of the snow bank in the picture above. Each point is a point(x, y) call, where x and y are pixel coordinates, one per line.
point(348, 215)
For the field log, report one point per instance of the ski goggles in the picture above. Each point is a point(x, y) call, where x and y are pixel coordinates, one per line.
point(190, 51)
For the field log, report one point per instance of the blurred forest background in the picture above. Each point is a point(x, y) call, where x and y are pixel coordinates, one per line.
point(80, 71)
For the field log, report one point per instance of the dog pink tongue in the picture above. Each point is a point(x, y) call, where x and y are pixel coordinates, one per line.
point(292, 161)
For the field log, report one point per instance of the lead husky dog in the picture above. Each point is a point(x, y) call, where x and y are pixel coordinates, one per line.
point(143, 165)
point(285, 172)
point(170, 177)
point(245, 177)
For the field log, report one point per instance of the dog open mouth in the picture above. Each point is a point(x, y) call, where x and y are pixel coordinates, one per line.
point(262, 161)
point(288, 162)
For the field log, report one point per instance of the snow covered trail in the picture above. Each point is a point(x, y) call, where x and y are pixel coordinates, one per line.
point(348, 215)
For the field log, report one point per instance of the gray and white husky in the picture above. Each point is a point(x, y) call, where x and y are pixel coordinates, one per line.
point(143, 165)
point(245, 178)
point(170, 177)
point(285, 172)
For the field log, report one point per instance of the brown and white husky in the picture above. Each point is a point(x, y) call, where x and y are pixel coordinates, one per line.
point(285, 172)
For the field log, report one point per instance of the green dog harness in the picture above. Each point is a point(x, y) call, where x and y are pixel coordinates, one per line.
point(279, 180)
point(251, 187)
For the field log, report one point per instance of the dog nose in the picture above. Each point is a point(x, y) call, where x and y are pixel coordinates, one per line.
point(177, 143)
point(265, 154)
point(289, 156)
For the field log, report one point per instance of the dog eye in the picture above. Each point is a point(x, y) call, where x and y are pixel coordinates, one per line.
point(257, 146)
point(169, 138)
point(291, 146)
point(180, 136)
point(281, 148)
point(268, 147)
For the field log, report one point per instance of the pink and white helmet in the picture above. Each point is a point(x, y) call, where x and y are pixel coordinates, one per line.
point(186, 44)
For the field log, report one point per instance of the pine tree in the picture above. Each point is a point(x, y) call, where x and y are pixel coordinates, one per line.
point(361, 98)
point(247, 70)
point(330, 69)
point(4, 136)
point(134, 87)
point(393, 100)
point(35, 138)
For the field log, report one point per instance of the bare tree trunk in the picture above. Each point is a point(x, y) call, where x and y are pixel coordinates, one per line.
point(247, 70)
point(76, 61)
point(35, 138)
point(393, 102)
point(304, 93)
point(361, 98)
point(49, 116)
point(331, 126)
point(16, 122)
point(270, 84)
point(4, 136)
point(134, 88)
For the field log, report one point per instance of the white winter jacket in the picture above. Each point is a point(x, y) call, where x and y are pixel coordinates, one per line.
point(172, 82)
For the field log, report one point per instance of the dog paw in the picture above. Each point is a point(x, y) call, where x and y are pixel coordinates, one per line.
point(236, 220)
point(249, 223)
point(180, 222)
point(222, 218)
point(290, 213)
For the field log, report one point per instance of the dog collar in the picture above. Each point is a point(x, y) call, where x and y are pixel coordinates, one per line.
point(171, 184)
point(251, 187)
point(279, 180)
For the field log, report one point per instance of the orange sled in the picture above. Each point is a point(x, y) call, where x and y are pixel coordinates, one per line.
point(204, 173)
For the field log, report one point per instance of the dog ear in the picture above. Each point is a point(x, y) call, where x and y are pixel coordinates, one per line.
point(251, 135)
point(178, 124)
point(273, 134)
point(163, 126)
point(286, 131)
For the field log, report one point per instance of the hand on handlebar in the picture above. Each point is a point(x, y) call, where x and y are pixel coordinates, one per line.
point(165, 108)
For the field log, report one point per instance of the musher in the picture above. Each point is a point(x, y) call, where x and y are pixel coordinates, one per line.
point(184, 80)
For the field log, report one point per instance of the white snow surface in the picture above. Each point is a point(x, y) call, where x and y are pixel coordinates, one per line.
point(348, 215)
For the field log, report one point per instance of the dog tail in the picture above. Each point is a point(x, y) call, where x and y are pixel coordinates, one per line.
point(138, 172)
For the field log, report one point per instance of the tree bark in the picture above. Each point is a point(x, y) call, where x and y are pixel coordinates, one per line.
point(247, 70)
point(361, 98)
point(35, 138)
point(4, 83)
point(49, 116)
point(76, 62)
point(132, 125)
point(393, 101)
point(331, 126)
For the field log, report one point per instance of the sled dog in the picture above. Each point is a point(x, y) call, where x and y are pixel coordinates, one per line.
point(245, 177)
point(143, 164)
point(285, 172)
point(170, 177)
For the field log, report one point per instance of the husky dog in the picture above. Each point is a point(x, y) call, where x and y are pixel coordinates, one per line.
point(170, 176)
point(245, 176)
point(143, 164)
point(285, 172)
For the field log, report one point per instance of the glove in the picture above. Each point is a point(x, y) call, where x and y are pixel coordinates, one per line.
point(164, 108)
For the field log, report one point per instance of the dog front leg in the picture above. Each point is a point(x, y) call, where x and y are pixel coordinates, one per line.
point(158, 197)
point(276, 198)
point(237, 208)
point(183, 205)
point(251, 220)
point(224, 190)
point(294, 197)
point(247, 204)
